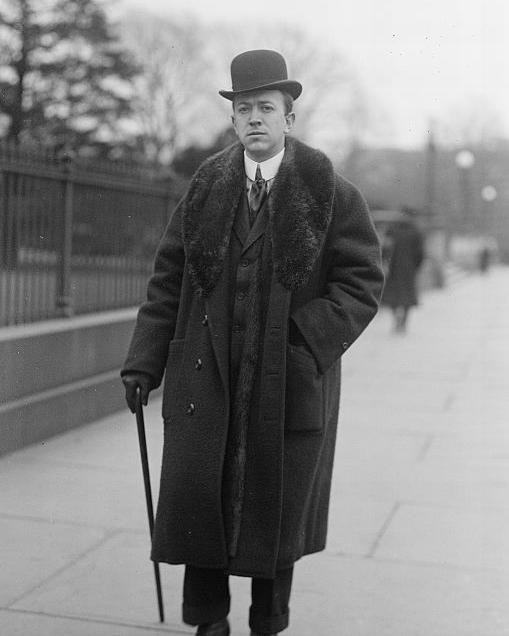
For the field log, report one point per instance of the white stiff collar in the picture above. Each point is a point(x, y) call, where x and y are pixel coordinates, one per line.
point(268, 168)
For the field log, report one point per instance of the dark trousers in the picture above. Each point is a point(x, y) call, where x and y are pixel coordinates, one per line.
point(207, 599)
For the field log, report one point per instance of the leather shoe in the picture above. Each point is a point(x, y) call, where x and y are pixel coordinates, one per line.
point(221, 628)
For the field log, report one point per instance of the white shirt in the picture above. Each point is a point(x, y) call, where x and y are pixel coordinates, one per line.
point(268, 168)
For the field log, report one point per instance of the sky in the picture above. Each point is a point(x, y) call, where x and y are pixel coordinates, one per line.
point(418, 61)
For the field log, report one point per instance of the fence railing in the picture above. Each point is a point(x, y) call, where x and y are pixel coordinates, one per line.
point(74, 238)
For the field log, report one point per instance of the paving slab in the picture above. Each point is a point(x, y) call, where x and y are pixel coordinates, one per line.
point(89, 476)
point(21, 623)
point(375, 597)
point(110, 444)
point(31, 551)
point(483, 485)
point(356, 523)
point(448, 536)
point(68, 493)
point(114, 582)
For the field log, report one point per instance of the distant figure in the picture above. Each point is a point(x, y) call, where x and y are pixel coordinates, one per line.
point(484, 259)
point(403, 253)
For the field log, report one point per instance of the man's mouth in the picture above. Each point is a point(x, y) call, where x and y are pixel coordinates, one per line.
point(255, 133)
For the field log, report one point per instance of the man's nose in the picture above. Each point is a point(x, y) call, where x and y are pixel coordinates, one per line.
point(255, 117)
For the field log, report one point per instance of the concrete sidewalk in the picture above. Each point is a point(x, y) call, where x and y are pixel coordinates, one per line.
point(418, 542)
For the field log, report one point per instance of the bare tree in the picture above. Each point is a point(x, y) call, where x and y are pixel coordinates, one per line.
point(172, 95)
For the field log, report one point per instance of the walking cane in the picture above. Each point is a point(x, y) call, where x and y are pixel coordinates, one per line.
point(140, 422)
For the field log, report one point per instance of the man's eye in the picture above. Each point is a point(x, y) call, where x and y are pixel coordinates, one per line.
point(267, 108)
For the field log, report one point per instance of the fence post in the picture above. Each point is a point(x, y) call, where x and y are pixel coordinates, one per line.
point(4, 243)
point(64, 297)
point(8, 192)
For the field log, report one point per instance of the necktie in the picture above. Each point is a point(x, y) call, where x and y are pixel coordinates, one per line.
point(257, 195)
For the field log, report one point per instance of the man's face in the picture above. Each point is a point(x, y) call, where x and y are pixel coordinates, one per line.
point(260, 123)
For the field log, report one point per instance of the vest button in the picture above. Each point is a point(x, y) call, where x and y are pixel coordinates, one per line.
point(205, 320)
point(244, 263)
point(190, 409)
point(198, 364)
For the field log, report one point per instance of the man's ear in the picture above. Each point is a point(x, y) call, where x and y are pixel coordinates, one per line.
point(290, 120)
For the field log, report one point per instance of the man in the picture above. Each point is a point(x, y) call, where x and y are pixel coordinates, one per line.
point(268, 270)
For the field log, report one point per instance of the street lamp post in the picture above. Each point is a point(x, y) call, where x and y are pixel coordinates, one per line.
point(488, 195)
point(465, 161)
point(431, 169)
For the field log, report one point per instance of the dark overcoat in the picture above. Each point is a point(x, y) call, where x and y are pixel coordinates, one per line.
point(405, 256)
point(325, 276)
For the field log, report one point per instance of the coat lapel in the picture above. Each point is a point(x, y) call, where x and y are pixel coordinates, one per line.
point(300, 210)
point(208, 214)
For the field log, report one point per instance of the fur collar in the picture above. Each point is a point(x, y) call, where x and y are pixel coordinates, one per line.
point(300, 210)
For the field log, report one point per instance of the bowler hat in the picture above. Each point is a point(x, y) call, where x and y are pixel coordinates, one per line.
point(258, 70)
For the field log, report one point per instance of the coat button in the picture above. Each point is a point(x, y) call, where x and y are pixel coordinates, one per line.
point(190, 409)
point(198, 364)
point(241, 295)
point(345, 345)
point(244, 262)
point(205, 320)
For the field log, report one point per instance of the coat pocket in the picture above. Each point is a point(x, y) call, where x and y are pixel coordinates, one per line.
point(173, 376)
point(304, 407)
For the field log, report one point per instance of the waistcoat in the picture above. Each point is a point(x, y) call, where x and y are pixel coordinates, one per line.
point(246, 270)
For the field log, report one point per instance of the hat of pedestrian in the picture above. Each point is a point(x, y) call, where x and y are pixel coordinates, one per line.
point(260, 70)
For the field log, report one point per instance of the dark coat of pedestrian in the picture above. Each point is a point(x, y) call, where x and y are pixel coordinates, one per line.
point(484, 259)
point(405, 255)
point(248, 322)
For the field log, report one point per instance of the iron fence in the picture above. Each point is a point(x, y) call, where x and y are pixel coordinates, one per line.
point(74, 238)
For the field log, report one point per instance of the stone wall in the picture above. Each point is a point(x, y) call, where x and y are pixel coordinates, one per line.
point(60, 374)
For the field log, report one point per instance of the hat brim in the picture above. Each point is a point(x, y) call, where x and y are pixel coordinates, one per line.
point(289, 86)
